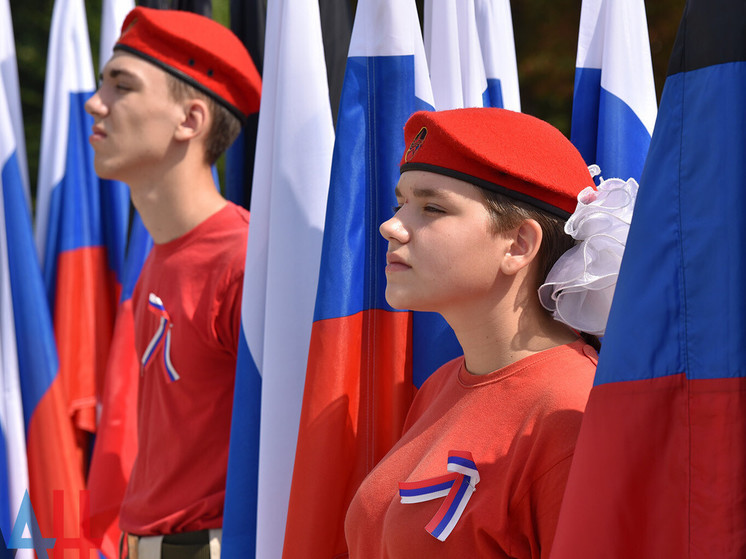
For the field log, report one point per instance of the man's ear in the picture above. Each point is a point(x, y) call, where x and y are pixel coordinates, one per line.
point(195, 120)
point(525, 241)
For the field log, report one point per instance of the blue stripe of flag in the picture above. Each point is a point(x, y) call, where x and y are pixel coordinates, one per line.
point(37, 355)
point(84, 210)
point(140, 243)
point(494, 94)
point(240, 516)
point(115, 216)
point(352, 264)
point(675, 241)
point(605, 129)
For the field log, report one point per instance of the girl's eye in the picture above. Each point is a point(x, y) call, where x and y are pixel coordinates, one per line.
point(396, 208)
point(433, 209)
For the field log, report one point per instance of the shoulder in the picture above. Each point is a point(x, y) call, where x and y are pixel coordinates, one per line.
point(551, 390)
point(448, 372)
point(567, 375)
point(233, 218)
point(553, 400)
point(237, 213)
point(224, 235)
point(432, 387)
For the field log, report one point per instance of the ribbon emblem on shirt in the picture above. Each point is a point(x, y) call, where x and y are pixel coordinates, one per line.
point(156, 307)
point(456, 487)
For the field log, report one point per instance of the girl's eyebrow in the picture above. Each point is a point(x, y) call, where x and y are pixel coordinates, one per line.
point(422, 192)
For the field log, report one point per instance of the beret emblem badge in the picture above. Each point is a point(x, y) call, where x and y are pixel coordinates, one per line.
point(416, 144)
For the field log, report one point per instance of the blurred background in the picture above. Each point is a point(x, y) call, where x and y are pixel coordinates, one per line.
point(546, 35)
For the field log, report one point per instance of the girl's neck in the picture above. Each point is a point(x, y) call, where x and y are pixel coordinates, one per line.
point(497, 338)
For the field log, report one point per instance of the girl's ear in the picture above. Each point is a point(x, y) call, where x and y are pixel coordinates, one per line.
point(195, 120)
point(524, 246)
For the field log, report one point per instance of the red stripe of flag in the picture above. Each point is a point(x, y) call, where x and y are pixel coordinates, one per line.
point(358, 390)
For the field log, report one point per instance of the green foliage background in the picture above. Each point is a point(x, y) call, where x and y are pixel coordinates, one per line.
point(546, 34)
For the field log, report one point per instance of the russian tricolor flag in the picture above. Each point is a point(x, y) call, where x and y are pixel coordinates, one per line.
point(291, 180)
point(9, 81)
point(29, 358)
point(614, 103)
point(116, 441)
point(659, 465)
point(81, 223)
point(454, 55)
point(471, 54)
point(495, 26)
point(13, 465)
point(359, 382)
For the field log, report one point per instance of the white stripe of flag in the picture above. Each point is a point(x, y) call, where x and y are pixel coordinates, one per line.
point(295, 139)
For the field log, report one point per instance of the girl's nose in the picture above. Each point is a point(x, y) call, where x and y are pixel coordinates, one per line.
point(393, 229)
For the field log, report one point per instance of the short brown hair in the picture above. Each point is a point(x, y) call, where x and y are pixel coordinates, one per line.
point(507, 213)
point(225, 126)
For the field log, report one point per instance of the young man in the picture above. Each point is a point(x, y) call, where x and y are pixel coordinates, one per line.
point(481, 467)
point(172, 98)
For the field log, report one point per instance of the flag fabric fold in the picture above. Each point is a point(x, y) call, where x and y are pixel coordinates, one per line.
point(81, 223)
point(614, 100)
point(495, 27)
point(13, 462)
point(291, 180)
point(471, 54)
point(454, 54)
point(116, 440)
point(658, 468)
point(359, 380)
point(9, 82)
point(113, 13)
point(29, 363)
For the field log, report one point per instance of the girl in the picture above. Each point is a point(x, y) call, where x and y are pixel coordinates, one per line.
point(482, 464)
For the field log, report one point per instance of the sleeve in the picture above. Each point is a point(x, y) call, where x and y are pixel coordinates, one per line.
point(227, 317)
point(534, 518)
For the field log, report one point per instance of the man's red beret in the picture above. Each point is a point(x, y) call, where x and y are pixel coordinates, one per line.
point(504, 151)
point(198, 50)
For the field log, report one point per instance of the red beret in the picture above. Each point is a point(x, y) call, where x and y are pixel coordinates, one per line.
point(504, 151)
point(198, 50)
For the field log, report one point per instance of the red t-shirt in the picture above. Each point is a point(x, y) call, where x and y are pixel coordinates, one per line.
point(520, 424)
point(178, 478)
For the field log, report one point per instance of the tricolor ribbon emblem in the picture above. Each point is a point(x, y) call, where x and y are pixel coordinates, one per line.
point(456, 487)
point(164, 331)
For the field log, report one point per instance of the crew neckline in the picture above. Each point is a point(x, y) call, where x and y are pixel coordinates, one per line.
point(179, 242)
point(470, 380)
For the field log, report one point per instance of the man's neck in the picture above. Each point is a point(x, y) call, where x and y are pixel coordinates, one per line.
point(176, 204)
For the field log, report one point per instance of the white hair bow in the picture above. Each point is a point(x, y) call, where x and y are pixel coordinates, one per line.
point(580, 286)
